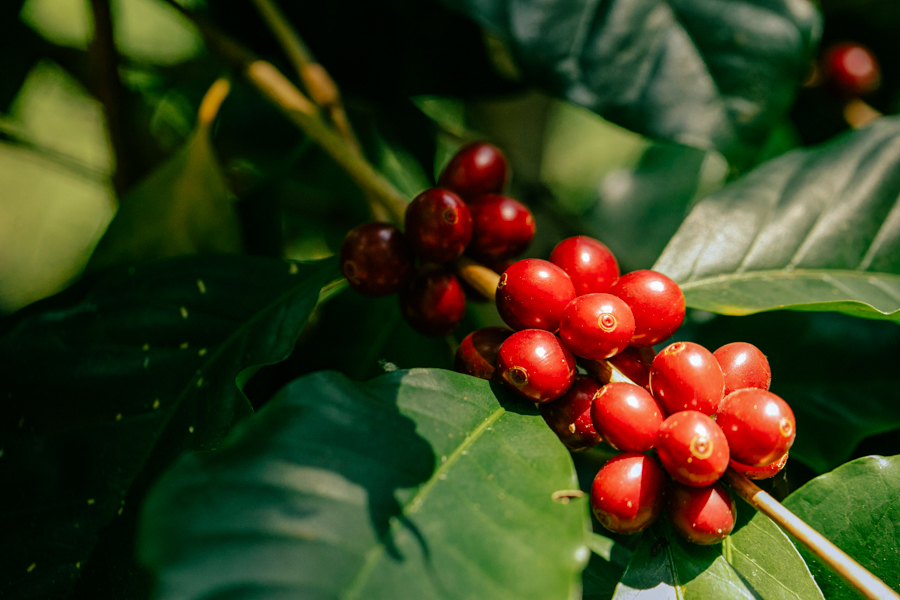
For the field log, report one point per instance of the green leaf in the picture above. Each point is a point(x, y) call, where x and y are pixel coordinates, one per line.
point(857, 507)
point(104, 385)
point(603, 572)
point(416, 484)
point(814, 230)
point(717, 74)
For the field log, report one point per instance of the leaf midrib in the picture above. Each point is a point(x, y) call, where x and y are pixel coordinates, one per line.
point(787, 274)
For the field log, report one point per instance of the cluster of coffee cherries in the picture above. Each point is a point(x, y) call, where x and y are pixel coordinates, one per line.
point(466, 213)
point(679, 418)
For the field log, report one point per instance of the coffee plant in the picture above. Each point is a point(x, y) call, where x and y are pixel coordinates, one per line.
point(457, 299)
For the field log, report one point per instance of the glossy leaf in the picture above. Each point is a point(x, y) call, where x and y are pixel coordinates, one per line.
point(104, 385)
point(814, 230)
point(716, 74)
point(416, 484)
point(857, 507)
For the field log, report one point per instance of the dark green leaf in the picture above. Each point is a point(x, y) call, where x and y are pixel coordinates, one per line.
point(104, 385)
point(814, 230)
point(716, 74)
point(605, 569)
point(417, 484)
point(856, 506)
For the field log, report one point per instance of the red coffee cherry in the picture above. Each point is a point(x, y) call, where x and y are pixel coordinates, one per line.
point(570, 415)
point(626, 416)
point(770, 470)
point(686, 376)
point(477, 353)
point(532, 294)
point(634, 363)
point(851, 69)
point(759, 425)
point(434, 303)
point(501, 227)
point(438, 225)
point(743, 366)
point(376, 259)
point(588, 262)
point(536, 365)
point(596, 326)
point(692, 448)
point(657, 304)
point(476, 168)
point(702, 515)
point(628, 493)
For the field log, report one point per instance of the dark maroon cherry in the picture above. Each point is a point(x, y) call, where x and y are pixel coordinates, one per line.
point(596, 326)
point(476, 168)
point(532, 294)
point(692, 448)
point(851, 69)
point(570, 415)
point(434, 303)
point(536, 365)
point(743, 366)
point(702, 515)
point(626, 416)
point(759, 425)
point(438, 225)
point(588, 262)
point(635, 363)
point(770, 470)
point(477, 353)
point(376, 259)
point(657, 304)
point(628, 493)
point(501, 227)
point(686, 376)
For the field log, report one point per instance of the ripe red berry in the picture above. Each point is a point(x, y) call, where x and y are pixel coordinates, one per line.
point(476, 168)
point(596, 326)
point(376, 259)
point(702, 515)
point(477, 353)
point(501, 227)
point(743, 366)
point(570, 415)
point(692, 448)
point(438, 225)
point(657, 304)
point(634, 363)
point(589, 263)
point(434, 303)
point(686, 376)
point(759, 425)
point(770, 470)
point(628, 493)
point(532, 294)
point(626, 416)
point(536, 365)
point(851, 69)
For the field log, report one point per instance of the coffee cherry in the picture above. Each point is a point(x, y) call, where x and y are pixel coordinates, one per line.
point(634, 363)
point(438, 225)
point(532, 294)
point(851, 69)
point(657, 304)
point(759, 425)
point(570, 415)
point(686, 376)
point(596, 326)
point(476, 168)
point(588, 262)
point(628, 493)
point(692, 448)
point(702, 515)
point(501, 227)
point(434, 303)
point(376, 259)
point(770, 470)
point(743, 366)
point(626, 416)
point(477, 353)
point(536, 365)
